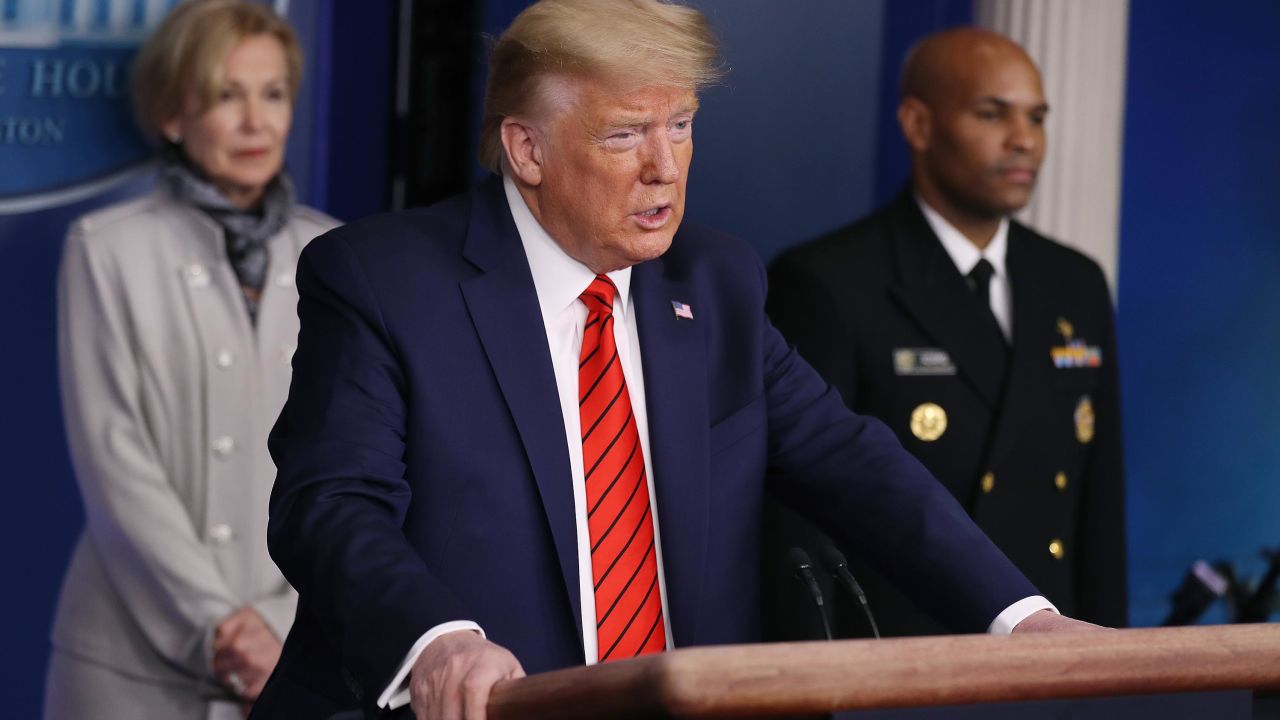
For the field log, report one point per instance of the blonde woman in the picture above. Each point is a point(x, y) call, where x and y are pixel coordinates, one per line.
point(176, 327)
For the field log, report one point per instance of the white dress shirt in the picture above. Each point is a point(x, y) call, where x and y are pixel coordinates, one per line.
point(966, 255)
point(559, 280)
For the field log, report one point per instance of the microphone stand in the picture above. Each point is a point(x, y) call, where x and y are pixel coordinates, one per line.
point(834, 561)
point(800, 563)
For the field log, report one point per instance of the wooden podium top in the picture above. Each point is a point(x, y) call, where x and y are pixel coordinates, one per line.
point(819, 677)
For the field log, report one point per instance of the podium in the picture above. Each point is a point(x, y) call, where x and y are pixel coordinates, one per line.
point(815, 679)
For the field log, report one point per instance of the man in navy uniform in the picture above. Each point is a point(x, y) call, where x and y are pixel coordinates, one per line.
point(988, 348)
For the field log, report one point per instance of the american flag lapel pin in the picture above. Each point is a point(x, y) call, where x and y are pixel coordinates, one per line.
point(682, 310)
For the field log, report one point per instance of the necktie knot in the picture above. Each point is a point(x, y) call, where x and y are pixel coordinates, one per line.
point(599, 295)
point(982, 272)
point(980, 279)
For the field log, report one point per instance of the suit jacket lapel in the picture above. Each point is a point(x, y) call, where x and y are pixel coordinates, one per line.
point(933, 292)
point(675, 373)
point(503, 305)
point(1032, 322)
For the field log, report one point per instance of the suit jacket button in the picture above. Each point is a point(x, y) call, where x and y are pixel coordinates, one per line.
point(224, 446)
point(224, 359)
point(988, 482)
point(197, 276)
point(1057, 549)
point(220, 533)
point(1060, 481)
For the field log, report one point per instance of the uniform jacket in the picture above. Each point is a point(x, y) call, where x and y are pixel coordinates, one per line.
point(169, 392)
point(1031, 445)
point(424, 475)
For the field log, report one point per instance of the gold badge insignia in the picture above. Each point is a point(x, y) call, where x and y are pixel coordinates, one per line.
point(1065, 329)
point(928, 421)
point(1084, 419)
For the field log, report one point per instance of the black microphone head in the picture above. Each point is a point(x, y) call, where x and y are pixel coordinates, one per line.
point(832, 558)
point(797, 558)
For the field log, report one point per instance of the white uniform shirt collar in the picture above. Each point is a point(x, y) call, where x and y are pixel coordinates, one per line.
point(963, 252)
point(558, 278)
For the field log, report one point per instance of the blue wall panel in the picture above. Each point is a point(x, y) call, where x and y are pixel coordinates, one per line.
point(904, 24)
point(785, 148)
point(1199, 306)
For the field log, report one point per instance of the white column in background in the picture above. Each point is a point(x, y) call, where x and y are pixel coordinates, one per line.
point(120, 16)
point(1081, 47)
point(81, 18)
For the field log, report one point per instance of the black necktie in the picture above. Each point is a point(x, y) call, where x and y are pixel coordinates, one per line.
point(980, 281)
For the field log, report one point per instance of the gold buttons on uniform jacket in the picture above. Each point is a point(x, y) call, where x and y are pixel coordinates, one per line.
point(1056, 549)
point(1060, 481)
point(928, 421)
point(988, 482)
point(1084, 418)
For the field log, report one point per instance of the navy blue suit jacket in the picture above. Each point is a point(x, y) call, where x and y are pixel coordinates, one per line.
point(424, 475)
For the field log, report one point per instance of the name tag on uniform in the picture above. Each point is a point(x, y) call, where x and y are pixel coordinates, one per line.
point(922, 361)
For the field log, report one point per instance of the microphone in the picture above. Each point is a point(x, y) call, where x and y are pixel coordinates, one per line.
point(1262, 603)
point(833, 560)
point(1202, 586)
point(802, 566)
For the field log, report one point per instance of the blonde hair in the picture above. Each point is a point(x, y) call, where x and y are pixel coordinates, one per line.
point(183, 58)
point(633, 43)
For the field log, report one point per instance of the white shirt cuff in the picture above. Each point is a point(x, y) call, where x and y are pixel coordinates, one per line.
point(396, 693)
point(1006, 621)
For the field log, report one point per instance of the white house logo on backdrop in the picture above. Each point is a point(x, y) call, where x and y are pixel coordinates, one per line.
point(66, 129)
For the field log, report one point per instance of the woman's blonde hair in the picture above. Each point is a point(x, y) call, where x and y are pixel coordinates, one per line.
point(632, 43)
point(183, 58)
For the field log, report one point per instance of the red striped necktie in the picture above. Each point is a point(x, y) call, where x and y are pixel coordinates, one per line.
point(624, 564)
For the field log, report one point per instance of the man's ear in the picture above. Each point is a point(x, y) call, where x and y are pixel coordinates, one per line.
point(916, 123)
point(522, 145)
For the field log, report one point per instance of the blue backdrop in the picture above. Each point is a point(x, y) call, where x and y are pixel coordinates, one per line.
point(1199, 311)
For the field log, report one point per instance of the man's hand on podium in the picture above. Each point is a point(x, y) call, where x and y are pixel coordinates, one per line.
point(1050, 621)
point(452, 677)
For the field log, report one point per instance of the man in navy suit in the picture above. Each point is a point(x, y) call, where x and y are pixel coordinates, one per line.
point(532, 426)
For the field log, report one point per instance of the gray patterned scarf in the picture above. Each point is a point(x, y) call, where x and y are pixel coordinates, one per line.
point(246, 231)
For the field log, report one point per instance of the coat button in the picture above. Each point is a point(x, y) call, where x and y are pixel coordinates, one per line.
point(1056, 549)
point(1060, 481)
point(197, 276)
point(286, 354)
point(224, 446)
point(220, 533)
point(988, 482)
point(224, 359)
point(284, 279)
